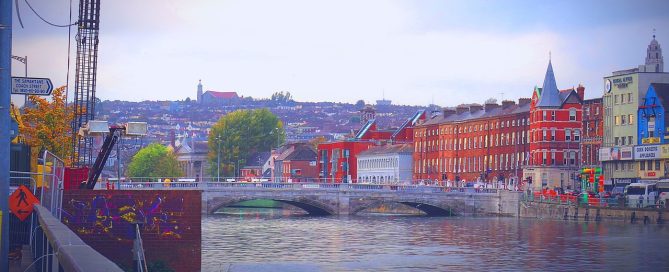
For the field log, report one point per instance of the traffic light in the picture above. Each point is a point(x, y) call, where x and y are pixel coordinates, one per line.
point(601, 179)
point(592, 178)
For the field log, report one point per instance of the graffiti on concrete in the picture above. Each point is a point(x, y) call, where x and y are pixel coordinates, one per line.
point(114, 215)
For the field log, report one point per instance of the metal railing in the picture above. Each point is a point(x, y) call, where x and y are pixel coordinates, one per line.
point(593, 201)
point(169, 184)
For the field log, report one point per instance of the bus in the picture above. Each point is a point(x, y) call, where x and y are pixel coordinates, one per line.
point(663, 192)
point(640, 195)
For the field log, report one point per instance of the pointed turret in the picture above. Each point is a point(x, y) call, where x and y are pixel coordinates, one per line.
point(550, 95)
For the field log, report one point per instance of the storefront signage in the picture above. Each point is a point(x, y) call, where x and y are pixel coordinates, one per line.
point(616, 153)
point(649, 152)
point(622, 82)
point(653, 140)
point(651, 174)
point(624, 181)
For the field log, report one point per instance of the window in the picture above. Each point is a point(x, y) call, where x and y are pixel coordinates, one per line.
point(572, 114)
point(587, 111)
point(622, 99)
point(544, 158)
point(553, 157)
point(617, 166)
point(616, 140)
point(615, 99)
point(577, 135)
point(553, 115)
point(596, 110)
point(623, 141)
point(553, 134)
point(650, 165)
point(629, 97)
point(617, 120)
point(544, 114)
point(544, 133)
point(629, 139)
point(572, 158)
point(631, 119)
point(567, 134)
point(623, 119)
point(642, 166)
point(657, 164)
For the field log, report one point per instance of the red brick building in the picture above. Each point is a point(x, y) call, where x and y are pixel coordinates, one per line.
point(555, 134)
point(473, 143)
point(338, 161)
point(297, 163)
point(593, 131)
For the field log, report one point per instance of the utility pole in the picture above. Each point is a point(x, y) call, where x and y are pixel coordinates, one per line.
point(5, 98)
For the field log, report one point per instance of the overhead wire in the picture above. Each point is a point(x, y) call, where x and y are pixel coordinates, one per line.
point(42, 18)
point(18, 12)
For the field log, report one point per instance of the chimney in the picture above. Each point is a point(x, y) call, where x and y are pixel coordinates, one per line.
point(507, 103)
point(448, 112)
point(491, 106)
point(475, 107)
point(173, 139)
point(524, 101)
point(580, 90)
point(460, 109)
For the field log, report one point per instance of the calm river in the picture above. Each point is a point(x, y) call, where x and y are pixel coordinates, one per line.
point(266, 241)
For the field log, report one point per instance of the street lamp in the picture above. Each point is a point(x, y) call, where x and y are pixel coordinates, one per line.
point(218, 159)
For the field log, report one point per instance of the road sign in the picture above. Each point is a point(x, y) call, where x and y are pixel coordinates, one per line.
point(21, 202)
point(31, 86)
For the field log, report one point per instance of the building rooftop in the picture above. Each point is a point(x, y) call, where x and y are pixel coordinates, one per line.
point(387, 149)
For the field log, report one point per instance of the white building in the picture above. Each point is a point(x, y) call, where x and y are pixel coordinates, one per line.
point(386, 164)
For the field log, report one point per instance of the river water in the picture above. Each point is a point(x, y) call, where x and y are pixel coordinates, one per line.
point(276, 241)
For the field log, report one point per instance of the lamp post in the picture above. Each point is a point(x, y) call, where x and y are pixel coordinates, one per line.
point(218, 159)
point(23, 60)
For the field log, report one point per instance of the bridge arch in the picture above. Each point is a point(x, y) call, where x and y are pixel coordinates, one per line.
point(312, 207)
point(430, 209)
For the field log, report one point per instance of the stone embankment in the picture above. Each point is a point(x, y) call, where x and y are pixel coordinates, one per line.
point(529, 209)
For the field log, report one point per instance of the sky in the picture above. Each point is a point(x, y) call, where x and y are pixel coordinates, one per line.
point(410, 52)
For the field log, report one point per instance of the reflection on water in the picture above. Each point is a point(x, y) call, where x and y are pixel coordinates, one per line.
point(278, 240)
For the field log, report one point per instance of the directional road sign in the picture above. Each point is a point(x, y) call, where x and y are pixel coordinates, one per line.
point(31, 86)
point(21, 202)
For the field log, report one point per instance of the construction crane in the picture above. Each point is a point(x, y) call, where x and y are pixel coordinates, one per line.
point(85, 79)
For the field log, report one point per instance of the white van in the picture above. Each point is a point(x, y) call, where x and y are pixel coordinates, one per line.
point(640, 195)
point(663, 193)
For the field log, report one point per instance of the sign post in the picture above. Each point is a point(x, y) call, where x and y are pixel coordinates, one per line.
point(31, 86)
point(21, 202)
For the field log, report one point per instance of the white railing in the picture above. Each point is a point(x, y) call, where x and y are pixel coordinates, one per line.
point(168, 184)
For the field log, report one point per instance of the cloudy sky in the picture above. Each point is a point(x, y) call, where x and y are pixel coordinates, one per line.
point(416, 52)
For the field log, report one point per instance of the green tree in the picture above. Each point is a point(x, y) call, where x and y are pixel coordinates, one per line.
point(242, 133)
point(155, 160)
point(360, 104)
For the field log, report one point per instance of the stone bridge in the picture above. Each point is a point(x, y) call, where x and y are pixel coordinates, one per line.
point(349, 199)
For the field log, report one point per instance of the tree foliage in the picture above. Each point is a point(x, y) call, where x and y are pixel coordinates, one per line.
point(155, 160)
point(46, 125)
point(281, 97)
point(240, 134)
point(360, 104)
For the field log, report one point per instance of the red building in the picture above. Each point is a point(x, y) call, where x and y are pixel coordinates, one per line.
point(555, 135)
point(593, 131)
point(338, 161)
point(296, 163)
point(473, 143)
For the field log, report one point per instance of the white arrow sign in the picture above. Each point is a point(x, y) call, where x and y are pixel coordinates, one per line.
point(31, 86)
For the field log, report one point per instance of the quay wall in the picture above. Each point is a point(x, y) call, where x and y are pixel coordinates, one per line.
point(595, 214)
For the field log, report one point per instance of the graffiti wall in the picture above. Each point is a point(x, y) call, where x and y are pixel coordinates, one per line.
point(169, 223)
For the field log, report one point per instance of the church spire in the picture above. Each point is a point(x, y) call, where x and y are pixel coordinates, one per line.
point(199, 91)
point(654, 59)
point(550, 95)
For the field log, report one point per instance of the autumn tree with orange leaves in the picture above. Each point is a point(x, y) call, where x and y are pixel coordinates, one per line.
point(46, 125)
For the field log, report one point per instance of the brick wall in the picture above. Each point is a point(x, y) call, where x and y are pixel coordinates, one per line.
point(171, 233)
